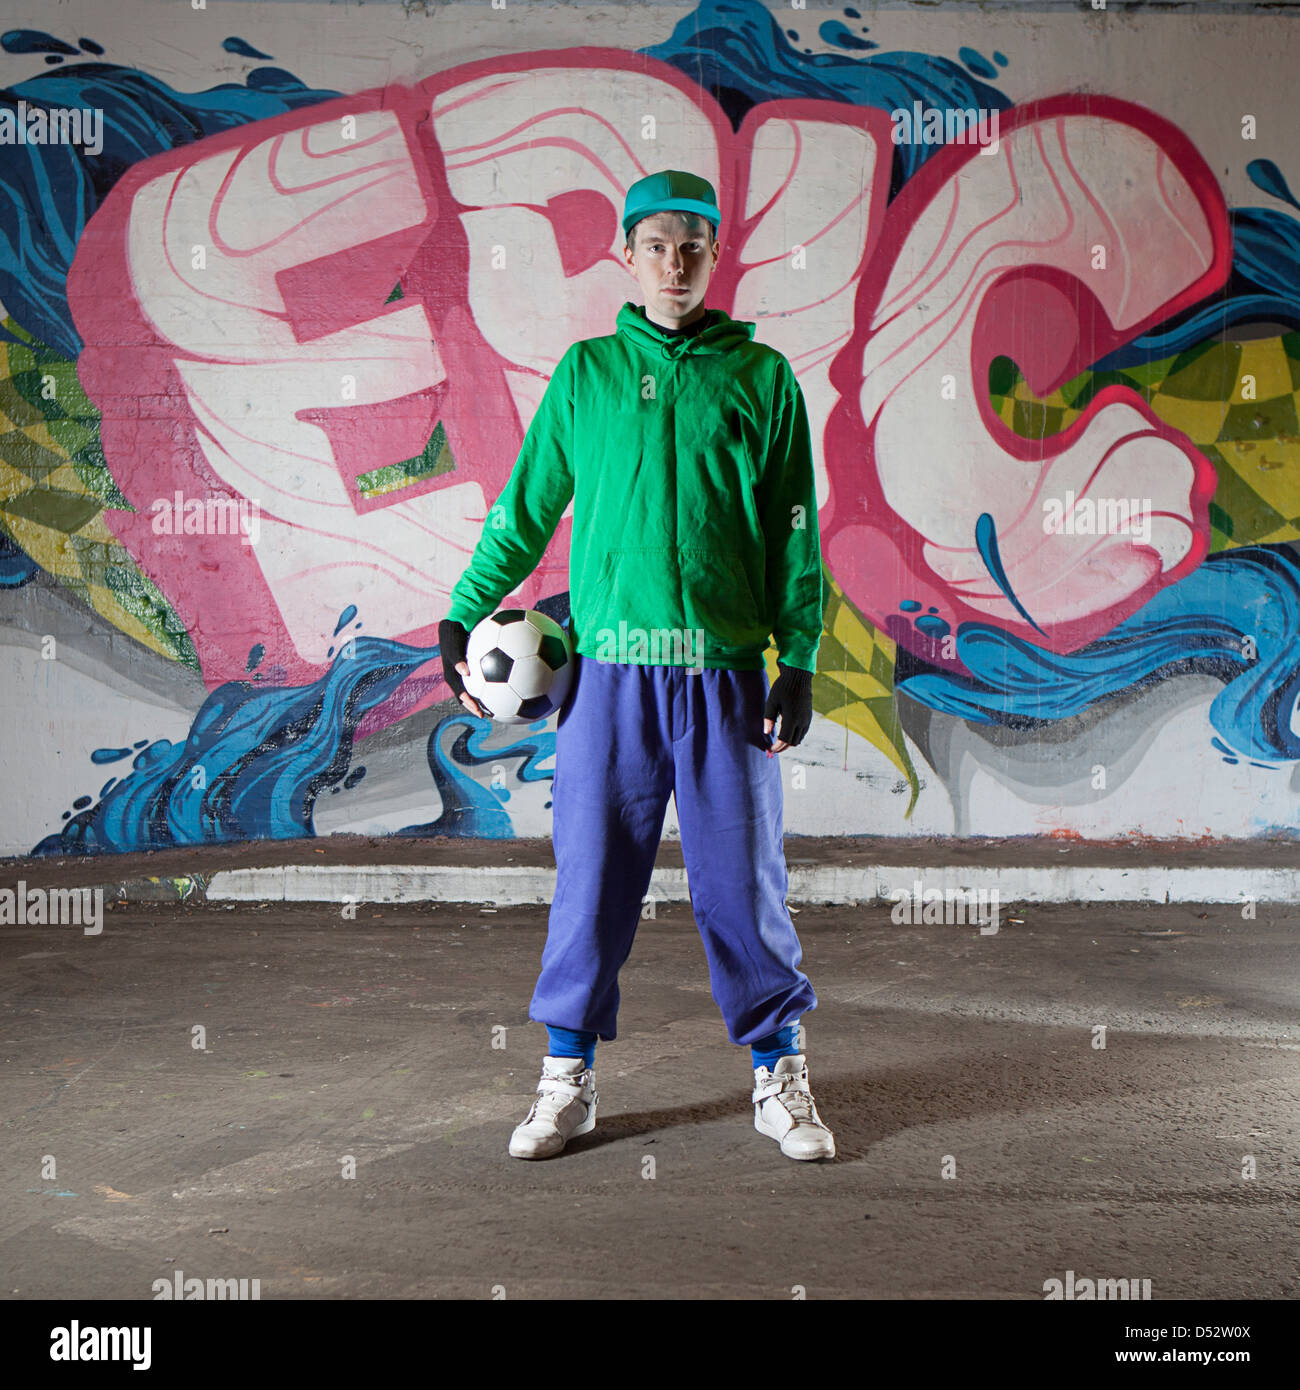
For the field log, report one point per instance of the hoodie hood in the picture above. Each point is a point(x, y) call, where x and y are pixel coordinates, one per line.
point(720, 334)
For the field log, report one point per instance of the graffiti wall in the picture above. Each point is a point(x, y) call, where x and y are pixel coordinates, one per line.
point(281, 287)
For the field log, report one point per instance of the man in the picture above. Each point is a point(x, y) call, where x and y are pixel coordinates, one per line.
point(685, 449)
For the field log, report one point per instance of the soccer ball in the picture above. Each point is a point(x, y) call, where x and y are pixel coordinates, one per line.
point(520, 665)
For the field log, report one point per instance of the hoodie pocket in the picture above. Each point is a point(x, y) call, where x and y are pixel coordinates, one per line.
point(638, 590)
point(684, 591)
point(718, 598)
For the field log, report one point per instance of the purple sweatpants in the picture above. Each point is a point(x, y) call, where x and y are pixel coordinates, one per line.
point(628, 736)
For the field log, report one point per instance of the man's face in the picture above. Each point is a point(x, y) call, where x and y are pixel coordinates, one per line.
point(672, 264)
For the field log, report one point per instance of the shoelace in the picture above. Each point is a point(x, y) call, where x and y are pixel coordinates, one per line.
point(797, 1101)
point(554, 1098)
point(799, 1104)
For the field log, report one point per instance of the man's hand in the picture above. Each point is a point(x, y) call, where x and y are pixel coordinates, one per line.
point(453, 641)
point(791, 698)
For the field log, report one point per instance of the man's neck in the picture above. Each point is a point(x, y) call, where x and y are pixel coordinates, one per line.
point(691, 325)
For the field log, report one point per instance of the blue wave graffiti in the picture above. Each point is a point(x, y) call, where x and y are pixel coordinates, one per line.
point(255, 761)
point(1202, 623)
point(470, 809)
point(268, 752)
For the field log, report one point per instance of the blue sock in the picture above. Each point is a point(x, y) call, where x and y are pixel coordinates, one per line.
point(782, 1043)
point(572, 1042)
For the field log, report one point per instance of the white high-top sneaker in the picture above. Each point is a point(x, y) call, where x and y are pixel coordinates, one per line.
point(784, 1110)
point(565, 1106)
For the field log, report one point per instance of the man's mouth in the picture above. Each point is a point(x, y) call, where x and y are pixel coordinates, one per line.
point(673, 289)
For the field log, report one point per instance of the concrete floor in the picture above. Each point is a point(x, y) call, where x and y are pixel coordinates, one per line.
point(374, 1038)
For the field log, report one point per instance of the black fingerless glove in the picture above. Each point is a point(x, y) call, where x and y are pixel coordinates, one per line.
point(791, 698)
point(453, 642)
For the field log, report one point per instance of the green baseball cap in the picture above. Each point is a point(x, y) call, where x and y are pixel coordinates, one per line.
point(671, 190)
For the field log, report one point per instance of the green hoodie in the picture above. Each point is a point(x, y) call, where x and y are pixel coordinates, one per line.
point(689, 464)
